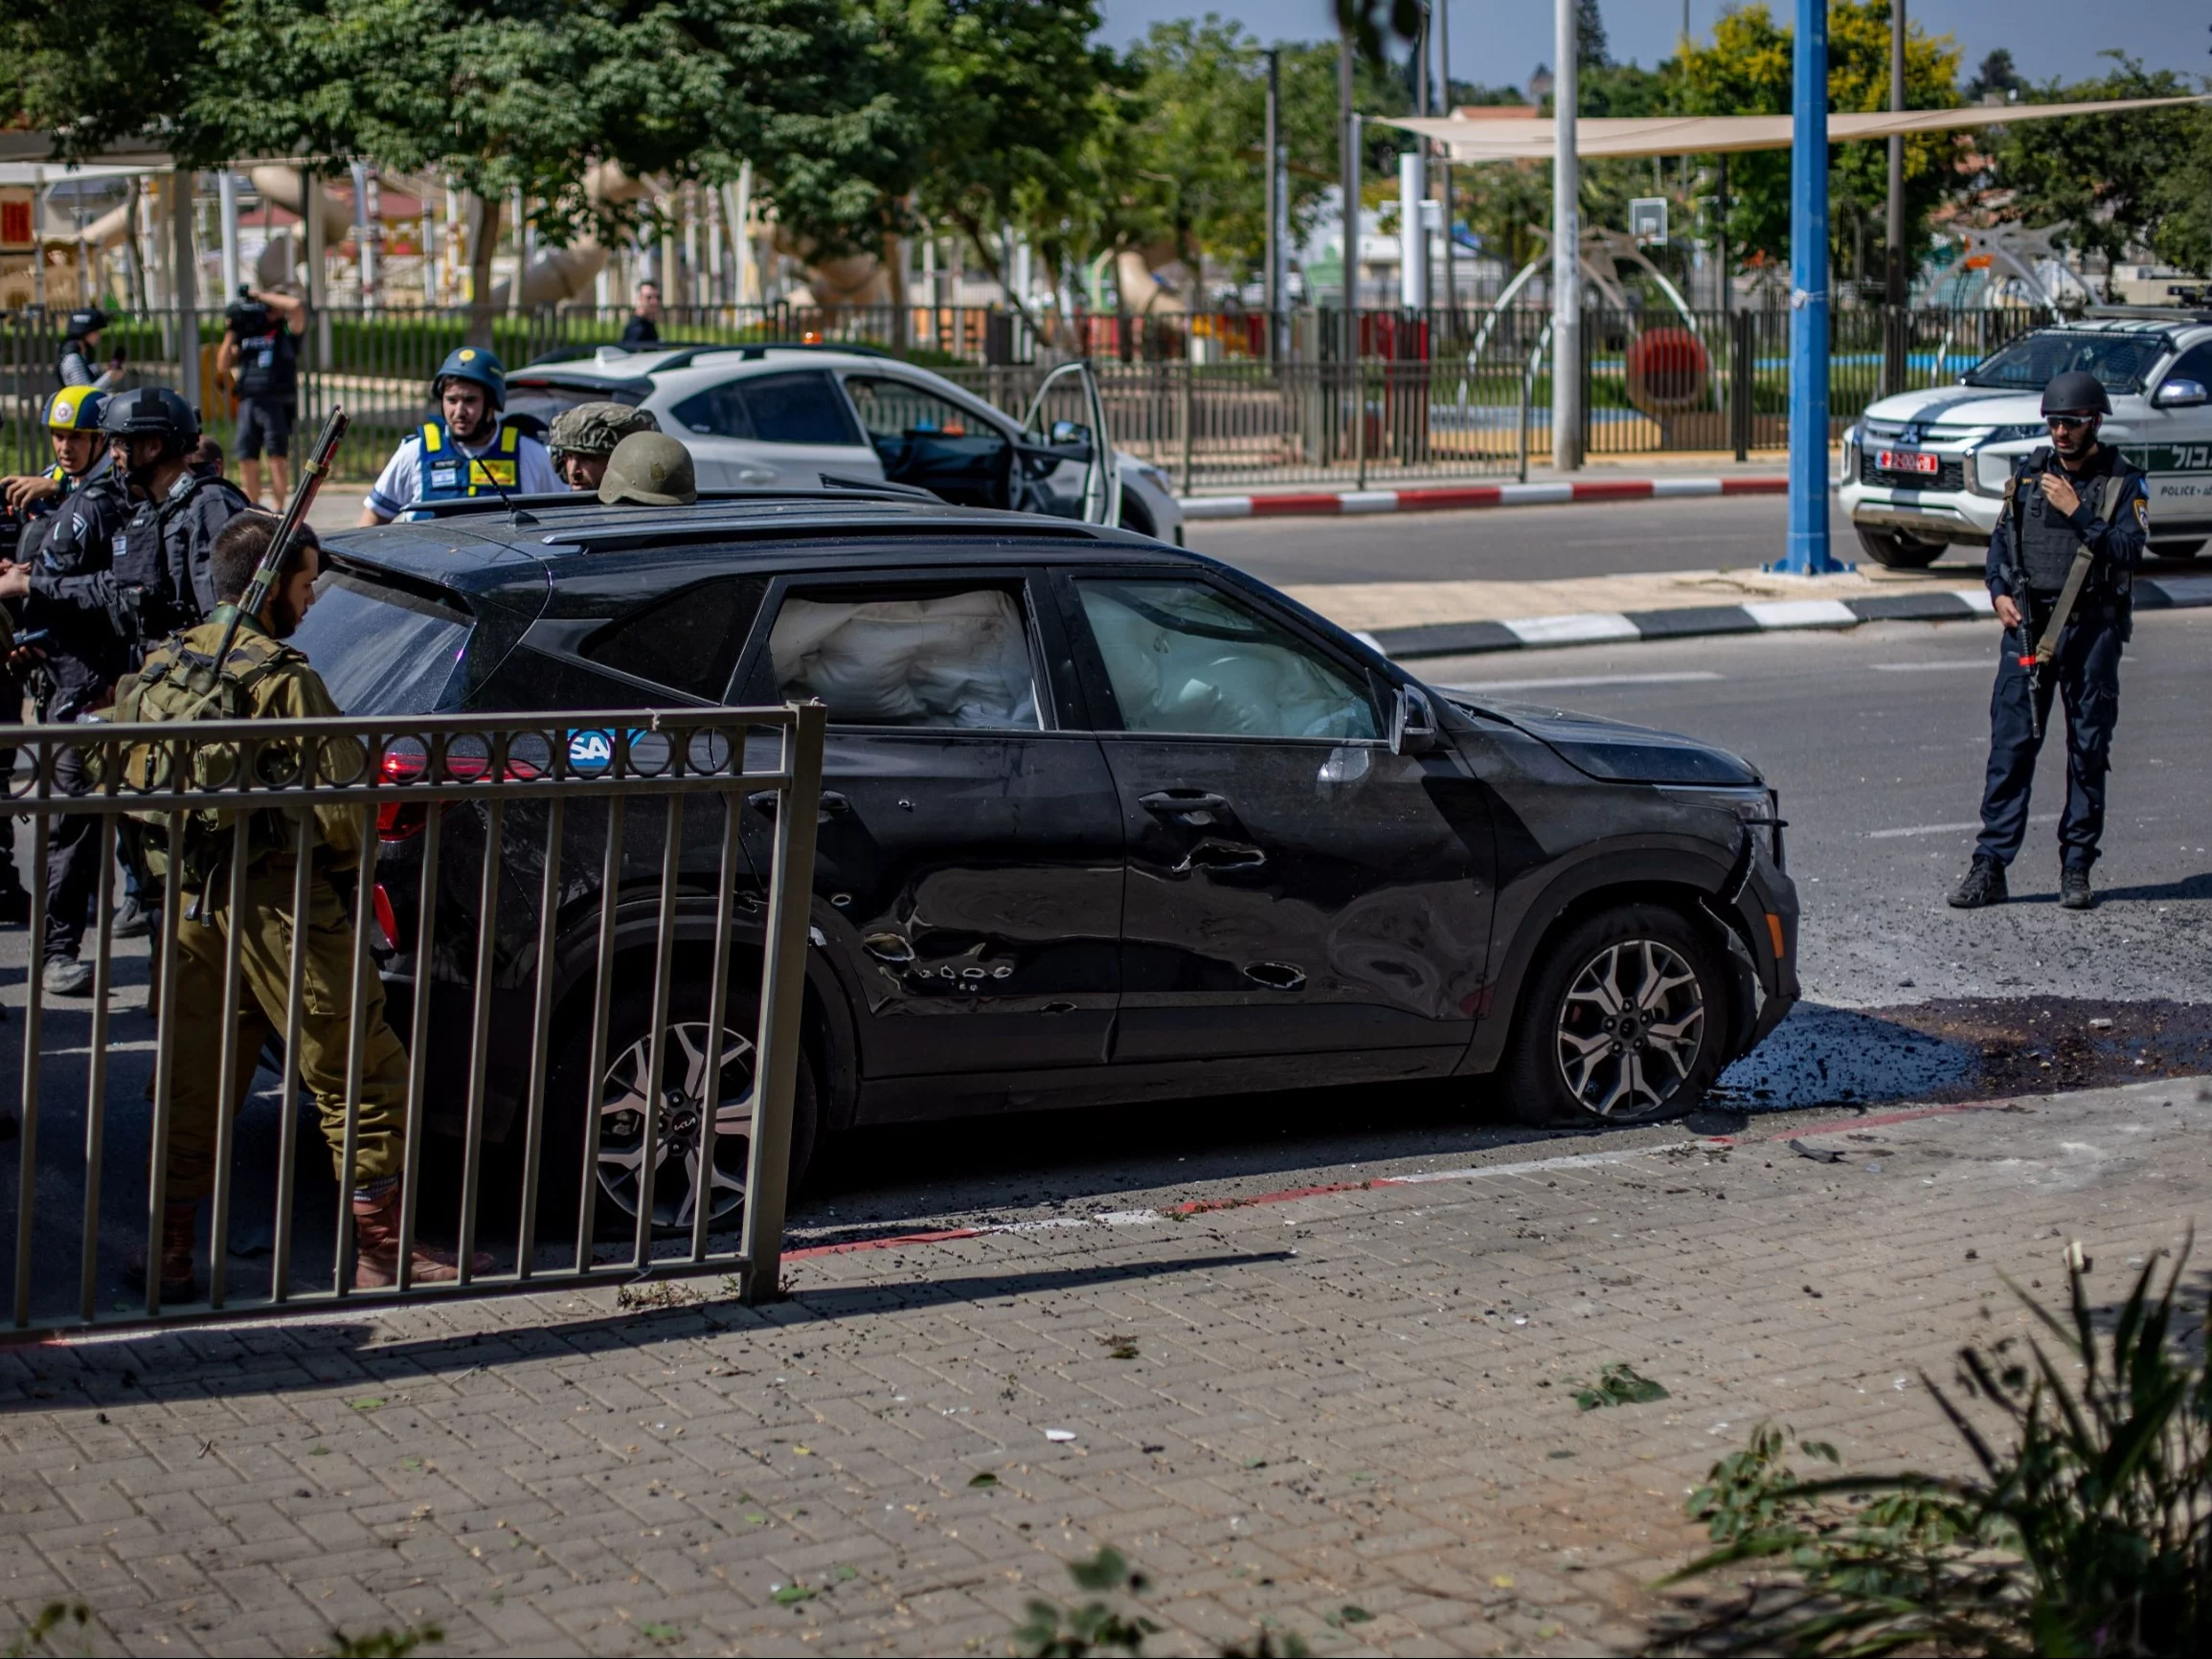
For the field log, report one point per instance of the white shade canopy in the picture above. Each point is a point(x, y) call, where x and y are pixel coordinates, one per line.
point(1529, 138)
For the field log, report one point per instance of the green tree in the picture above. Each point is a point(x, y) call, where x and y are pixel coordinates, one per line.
point(1996, 74)
point(94, 72)
point(1747, 71)
point(2111, 183)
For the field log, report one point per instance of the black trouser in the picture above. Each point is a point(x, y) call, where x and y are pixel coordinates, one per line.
point(72, 861)
point(2084, 674)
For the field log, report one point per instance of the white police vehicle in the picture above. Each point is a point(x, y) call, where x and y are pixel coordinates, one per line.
point(779, 416)
point(1924, 470)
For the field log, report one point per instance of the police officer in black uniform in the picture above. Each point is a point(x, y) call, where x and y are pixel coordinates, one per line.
point(2076, 500)
point(260, 353)
point(82, 659)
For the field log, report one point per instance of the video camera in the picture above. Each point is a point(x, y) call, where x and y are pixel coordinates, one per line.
point(246, 315)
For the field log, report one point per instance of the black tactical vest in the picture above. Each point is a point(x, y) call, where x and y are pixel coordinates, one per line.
point(268, 362)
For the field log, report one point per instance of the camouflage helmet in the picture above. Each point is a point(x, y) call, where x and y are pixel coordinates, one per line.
point(651, 469)
point(595, 428)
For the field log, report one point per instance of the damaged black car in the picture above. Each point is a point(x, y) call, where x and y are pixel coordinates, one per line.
point(1102, 820)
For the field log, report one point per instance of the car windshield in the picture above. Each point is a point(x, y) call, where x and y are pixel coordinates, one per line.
point(2121, 361)
point(381, 650)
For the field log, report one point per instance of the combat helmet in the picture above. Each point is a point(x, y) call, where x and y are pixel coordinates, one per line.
point(2076, 391)
point(651, 469)
point(595, 428)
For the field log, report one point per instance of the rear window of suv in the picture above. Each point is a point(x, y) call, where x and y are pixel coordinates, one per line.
point(382, 649)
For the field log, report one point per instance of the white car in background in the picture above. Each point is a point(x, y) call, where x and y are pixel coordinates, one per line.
point(1926, 469)
point(776, 416)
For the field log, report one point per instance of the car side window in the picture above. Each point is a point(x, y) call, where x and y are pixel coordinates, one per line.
point(2194, 363)
point(939, 656)
point(687, 641)
point(899, 409)
point(801, 407)
point(1183, 657)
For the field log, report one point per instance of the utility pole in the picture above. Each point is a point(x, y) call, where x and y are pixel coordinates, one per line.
point(1273, 160)
point(1895, 296)
point(1444, 83)
point(1348, 176)
point(1414, 190)
point(1567, 248)
point(1808, 552)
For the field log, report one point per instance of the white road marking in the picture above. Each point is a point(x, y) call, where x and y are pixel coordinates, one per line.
point(1944, 667)
point(1586, 627)
point(1685, 677)
point(1948, 829)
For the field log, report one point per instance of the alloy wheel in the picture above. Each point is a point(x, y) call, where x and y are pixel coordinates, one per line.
point(678, 1175)
point(1629, 1029)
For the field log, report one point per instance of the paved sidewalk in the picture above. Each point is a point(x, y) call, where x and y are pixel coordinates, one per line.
point(1345, 1412)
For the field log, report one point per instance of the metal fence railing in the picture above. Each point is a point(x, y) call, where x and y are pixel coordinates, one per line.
point(596, 963)
point(1216, 398)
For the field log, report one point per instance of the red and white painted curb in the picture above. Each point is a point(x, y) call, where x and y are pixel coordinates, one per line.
point(1458, 498)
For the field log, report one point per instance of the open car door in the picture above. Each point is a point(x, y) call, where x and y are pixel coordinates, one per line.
point(1048, 450)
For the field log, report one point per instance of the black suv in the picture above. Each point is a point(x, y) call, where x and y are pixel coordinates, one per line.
point(1102, 820)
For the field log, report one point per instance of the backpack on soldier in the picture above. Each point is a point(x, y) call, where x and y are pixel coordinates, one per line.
point(179, 684)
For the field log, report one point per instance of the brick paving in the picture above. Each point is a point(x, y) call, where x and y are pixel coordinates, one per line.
point(1345, 1415)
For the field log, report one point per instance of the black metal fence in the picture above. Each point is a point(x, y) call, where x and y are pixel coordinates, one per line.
point(611, 887)
point(1215, 398)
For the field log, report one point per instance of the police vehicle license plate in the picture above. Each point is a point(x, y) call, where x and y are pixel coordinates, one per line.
point(1908, 461)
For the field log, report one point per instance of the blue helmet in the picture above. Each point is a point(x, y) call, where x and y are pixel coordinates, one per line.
point(475, 364)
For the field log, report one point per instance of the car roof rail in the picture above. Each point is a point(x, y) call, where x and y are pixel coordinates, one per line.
point(468, 506)
point(668, 533)
point(753, 351)
point(875, 487)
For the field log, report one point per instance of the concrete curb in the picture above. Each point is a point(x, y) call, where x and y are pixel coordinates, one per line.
point(1457, 498)
point(1761, 615)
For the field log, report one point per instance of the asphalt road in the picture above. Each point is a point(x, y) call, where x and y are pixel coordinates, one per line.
point(1875, 737)
point(1513, 544)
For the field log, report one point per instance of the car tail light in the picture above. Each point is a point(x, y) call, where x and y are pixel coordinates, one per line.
point(401, 820)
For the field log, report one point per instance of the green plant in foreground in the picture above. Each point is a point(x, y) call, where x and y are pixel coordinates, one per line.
point(384, 1644)
point(1616, 1385)
point(1057, 1632)
point(2089, 1534)
point(49, 1618)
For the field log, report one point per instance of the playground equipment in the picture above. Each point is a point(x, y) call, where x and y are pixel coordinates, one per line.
point(1669, 369)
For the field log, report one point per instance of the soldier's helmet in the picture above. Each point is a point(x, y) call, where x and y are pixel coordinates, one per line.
point(595, 428)
point(651, 469)
point(152, 411)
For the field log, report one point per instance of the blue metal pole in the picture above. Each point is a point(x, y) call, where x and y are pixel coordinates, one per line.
point(1808, 553)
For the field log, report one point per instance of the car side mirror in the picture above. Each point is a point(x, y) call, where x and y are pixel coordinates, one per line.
point(1412, 722)
point(1068, 434)
point(2180, 395)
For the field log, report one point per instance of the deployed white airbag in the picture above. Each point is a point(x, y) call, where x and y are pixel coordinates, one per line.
point(960, 659)
point(1167, 680)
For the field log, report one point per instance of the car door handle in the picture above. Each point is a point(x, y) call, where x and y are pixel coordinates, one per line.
point(763, 801)
point(1175, 800)
point(1210, 854)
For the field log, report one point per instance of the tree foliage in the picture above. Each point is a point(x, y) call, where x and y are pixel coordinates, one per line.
point(2110, 181)
point(1747, 71)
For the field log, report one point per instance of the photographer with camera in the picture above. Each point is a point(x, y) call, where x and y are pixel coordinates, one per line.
point(260, 353)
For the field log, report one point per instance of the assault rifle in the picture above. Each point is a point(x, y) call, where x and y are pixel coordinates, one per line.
point(304, 493)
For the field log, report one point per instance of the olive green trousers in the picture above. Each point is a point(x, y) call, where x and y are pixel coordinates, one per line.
point(195, 1032)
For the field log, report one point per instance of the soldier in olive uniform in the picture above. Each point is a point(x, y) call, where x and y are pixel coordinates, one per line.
point(583, 438)
point(264, 679)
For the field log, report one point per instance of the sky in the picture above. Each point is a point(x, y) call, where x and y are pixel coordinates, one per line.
point(1498, 42)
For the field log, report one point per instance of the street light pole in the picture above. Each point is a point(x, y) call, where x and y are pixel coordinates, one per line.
point(1808, 552)
point(1894, 295)
point(1566, 252)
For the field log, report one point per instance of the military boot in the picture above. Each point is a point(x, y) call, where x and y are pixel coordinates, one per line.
point(2074, 889)
point(178, 1223)
point(1984, 884)
point(376, 1248)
